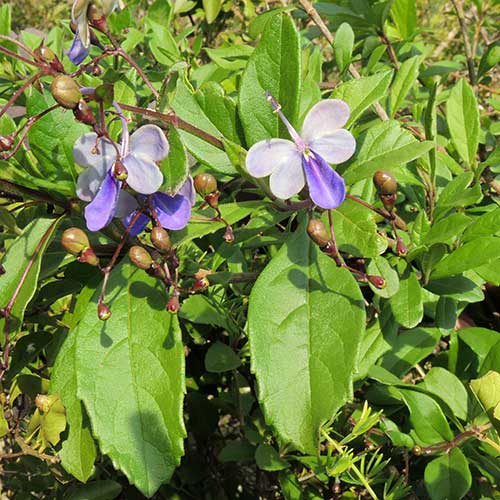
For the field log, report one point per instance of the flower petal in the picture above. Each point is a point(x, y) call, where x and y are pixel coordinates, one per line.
point(139, 224)
point(125, 204)
point(324, 118)
point(326, 187)
point(149, 142)
point(144, 176)
point(336, 147)
point(88, 183)
point(77, 52)
point(85, 153)
point(100, 211)
point(266, 156)
point(173, 212)
point(288, 179)
point(187, 190)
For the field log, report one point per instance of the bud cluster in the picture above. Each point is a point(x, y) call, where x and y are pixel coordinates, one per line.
point(67, 93)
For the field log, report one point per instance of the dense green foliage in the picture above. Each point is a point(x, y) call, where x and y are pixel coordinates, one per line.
point(282, 368)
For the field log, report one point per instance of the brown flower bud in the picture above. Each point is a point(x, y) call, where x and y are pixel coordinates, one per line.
point(120, 171)
point(205, 184)
point(140, 257)
point(173, 304)
point(401, 249)
point(385, 182)
point(213, 199)
point(417, 450)
point(228, 235)
point(83, 113)
point(75, 241)
point(160, 239)
point(377, 281)
point(6, 142)
point(388, 200)
point(201, 284)
point(97, 18)
point(65, 91)
point(88, 256)
point(103, 311)
point(318, 233)
point(157, 271)
point(45, 55)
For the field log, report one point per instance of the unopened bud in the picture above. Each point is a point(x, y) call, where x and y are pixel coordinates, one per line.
point(173, 304)
point(388, 200)
point(201, 284)
point(377, 281)
point(318, 233)
point(96, 70)
point(213, 199)
point(160, 239)
point(401, 249)
point(417, 450)
point(45, 55)
point(97, 19)
point(157, 271)
point(84, 114)
point(205, 184)
point(228, 235)
point(103, 311)
point(44, 402)
point(88, 256)
point(385, 182)
point(65, 91)
point(75, 241)
point(6, 142)
point(140, 257)
point(119, 171)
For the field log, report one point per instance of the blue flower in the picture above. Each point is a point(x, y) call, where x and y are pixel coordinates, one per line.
point(291, 164)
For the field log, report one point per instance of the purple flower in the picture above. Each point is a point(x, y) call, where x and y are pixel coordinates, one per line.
point(306, 159)
point(99, 184)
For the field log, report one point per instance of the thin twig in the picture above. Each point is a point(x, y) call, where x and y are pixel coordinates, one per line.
point(457, 4)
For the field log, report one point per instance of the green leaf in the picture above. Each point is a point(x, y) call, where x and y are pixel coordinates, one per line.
point(449, 388)
point(384, 144)
point(472, 254)
point(409, 348)
point(448, 476)
point(407, 305)
point(199, 309)
point(343, 45)
point(212, 9)
point(19, 256)
point(457, 193)
point(221, 358)
point(456, 287)
point(267, 458)
point(485, 225)
point(237, 451)
point(428, 419)
point(305, 322)
point(273, 67)
point(462, 115)
point(487, 391)
point(447, 230)
point(480, 340)
point(97, 490)
point(174, 166)
point(404, 15)
point(131, 377)
point(361, 94)
point(379, 266)
point(404, 81)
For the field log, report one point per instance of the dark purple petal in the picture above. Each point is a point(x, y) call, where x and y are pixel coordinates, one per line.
point(78, 52)
point(326, 187)
point(173, 212)
point(100, 211)
point(139, 224)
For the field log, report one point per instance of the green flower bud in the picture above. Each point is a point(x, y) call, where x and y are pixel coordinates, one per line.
point(160, 239)
point(385, 182)
point(74, 241)
point(140, 257)
point(205, 184)
point(65, 91)
point(318, 233)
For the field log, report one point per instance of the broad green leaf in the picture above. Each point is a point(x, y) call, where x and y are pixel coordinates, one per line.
point(175, 166)
point(273, 67)
point(407, 305)
point(429, 423)
point(492, 360)
point(448, 476)
point(267, 458)
point(487, 391)
point(221, 358)
point(305, 322)
point(212, 9)
point(472, 254)
point(21, 257)
point(462, 115)
point(404, 15)
point(131, 377)
point(480, 340)
point(409, 348)
point(237, 451)
point(447, 230)
point(458, 193)
point(456, 287)
point(343, 45)
point(405, 79)
point(379, 266)
point(97, 490)
point(361, 94)
point(161, 42)
point(200, 309)
point(449, 388)
point(485, 225)
point(384, 144)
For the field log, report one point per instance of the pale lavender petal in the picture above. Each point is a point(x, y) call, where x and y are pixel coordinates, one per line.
point(88, 183)
point(324, 118)
point(139, 225)
point(149, 142)
point(87, 154)
point(125, 205)
point(336, 147)
point(77, 52)
point(187, 190)
point(266, 156)
point(100, 211)
point(144, 176)
point(326, 187)
point(173, 212)
point(288, 179)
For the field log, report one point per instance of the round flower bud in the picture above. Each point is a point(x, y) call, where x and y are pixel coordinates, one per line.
point(119, 171)
point(160, 239)
point(318, 233)
point(6, 142)
point(75, 241)
point(385, 182)
point(201, 284)
point(88, 256)
point(228, 235)
point(140, 257)
point(205, 184)
point(401, 249)
point(103, 312)
point(377, 281)
point(173, 305)
point(212, 199)
point(65, 91)
point(83, 113)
